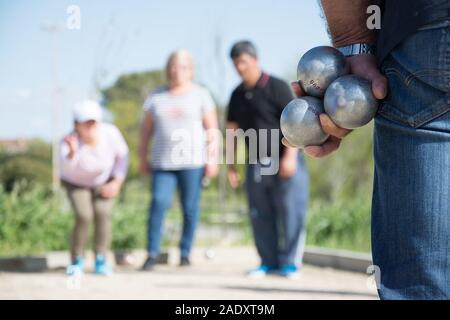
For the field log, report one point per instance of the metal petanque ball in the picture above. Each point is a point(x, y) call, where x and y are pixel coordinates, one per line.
point(210, 254)
point(349, 102)
point(300, 122)
point(319, 67)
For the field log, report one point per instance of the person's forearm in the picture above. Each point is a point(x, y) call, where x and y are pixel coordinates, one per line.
point(231, 146)
point(143, 147)
point(144, 140)
point(211, 125)
point(120, 168)
point(347, 21)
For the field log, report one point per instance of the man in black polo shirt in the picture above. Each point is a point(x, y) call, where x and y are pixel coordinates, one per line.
point(411, 194)
point(277, 199)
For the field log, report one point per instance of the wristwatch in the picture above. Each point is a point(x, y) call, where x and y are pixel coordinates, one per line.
point(357, 48)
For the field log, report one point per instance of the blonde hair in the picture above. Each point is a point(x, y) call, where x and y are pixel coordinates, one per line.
point(179, 53)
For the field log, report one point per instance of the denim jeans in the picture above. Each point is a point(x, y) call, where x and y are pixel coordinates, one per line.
point(277, 212)
point(411, 196)
point(164, 185)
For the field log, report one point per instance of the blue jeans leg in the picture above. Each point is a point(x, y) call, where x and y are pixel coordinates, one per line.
point(277, 211)
point(189, 182)
point(164, 184)
point(290, 200)
point(263, 217)
point(411, 196)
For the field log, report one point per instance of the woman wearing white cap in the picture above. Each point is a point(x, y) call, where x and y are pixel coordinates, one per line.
point(94, 163)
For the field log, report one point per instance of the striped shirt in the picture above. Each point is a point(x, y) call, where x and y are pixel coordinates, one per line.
point(179, 140)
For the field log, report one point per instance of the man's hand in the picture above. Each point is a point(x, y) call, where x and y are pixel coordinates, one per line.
point(111, 189)
point(288, 166)
point(347, 25)
point(365, 66)
point(233, 177)
point(336, 133)
point(288, 163)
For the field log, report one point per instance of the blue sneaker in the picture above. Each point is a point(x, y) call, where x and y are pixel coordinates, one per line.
point(290, 271)
point(76, 268)
point(101, 267)
point(259, 272)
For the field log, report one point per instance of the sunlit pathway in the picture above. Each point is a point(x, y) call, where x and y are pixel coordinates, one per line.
point(219, 278)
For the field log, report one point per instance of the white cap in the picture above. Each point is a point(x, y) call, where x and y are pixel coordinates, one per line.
point(87, 110)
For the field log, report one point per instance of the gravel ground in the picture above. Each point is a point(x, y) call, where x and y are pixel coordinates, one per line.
point(222, 277)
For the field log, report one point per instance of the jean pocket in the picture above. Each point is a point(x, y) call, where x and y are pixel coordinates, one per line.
point(413, 98)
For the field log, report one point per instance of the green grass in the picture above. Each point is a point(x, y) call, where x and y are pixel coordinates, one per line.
point(340, 225)
point(33, 220)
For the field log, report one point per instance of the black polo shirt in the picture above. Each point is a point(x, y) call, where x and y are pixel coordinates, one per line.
point(260, 107)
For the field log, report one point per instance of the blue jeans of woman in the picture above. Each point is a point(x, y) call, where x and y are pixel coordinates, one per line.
point(164, 185)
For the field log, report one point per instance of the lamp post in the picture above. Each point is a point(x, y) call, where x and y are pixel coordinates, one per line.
point(53, 31)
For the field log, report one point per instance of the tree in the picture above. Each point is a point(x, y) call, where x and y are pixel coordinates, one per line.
point(124, 99)
point(34, 164)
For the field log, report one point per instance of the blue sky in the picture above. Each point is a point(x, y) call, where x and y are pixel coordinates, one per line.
point(121, 36)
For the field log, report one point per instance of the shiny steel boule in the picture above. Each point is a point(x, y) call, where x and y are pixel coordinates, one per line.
point(349, 102)
point(300, 122)
point(319, 67)
point(210, 254)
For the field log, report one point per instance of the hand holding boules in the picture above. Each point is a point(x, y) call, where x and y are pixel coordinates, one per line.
point(335, 133)
point(351, 102)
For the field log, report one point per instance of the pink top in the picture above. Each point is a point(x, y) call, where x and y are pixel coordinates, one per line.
point(94, 166)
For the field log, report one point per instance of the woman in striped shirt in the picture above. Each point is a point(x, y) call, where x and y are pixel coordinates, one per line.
point(181, 120)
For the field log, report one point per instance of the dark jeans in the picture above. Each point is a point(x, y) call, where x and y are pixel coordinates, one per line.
point(277, 212)
point(164, 184)
point(411, 197)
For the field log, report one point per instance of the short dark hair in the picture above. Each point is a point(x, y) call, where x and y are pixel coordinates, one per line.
point(242, 47)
